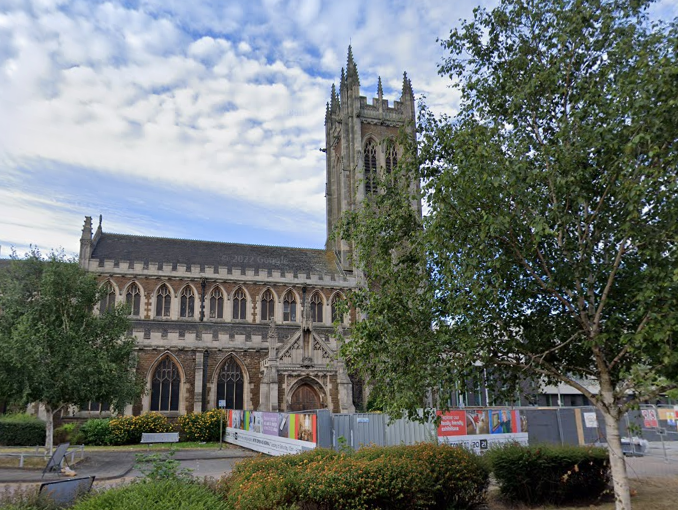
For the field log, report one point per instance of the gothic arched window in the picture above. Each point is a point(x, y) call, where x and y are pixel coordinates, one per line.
point(334, 307)
point(107, 302)
point(391, 158)
point(187, 302)
point(216, 304)
point(230, 385)
point(163, 300)
point(290, 307)
point(165, 387)
point(240, 304)
point(133, 299)
point(267, 306)
point(370, 168)
point(316, 307)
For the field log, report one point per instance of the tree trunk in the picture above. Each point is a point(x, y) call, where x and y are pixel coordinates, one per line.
point(620, 480)
point(49, 429)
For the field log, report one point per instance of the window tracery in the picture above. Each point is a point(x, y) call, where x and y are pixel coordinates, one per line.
point(316, 307)
point(370, 167)
point(133, 299)
point(289, 307)
point(163, 301)
point(187, 303)
point(240, 304)
point(165, 387)
point(216, 304)
point(267, 306)
point(230, 385)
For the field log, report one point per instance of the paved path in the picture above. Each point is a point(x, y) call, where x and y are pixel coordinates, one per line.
point(109, 465)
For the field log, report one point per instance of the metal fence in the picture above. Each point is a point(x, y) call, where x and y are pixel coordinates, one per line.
point(556, 425)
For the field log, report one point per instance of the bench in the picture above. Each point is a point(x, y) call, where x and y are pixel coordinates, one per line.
point(150, 438)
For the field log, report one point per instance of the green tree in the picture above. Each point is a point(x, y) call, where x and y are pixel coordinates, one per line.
point(549, 249)
point(55, 350)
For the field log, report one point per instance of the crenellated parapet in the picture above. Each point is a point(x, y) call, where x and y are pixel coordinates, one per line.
point(170, 270)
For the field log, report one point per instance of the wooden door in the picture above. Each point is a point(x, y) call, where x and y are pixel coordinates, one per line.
point(305, 398)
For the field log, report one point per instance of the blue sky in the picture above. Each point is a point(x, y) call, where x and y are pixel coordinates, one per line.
point(195, 119)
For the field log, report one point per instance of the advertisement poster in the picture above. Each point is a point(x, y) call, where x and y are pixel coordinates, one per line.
point(480, 429)
point(591, 420)
point(649, 419)
point(272, 433)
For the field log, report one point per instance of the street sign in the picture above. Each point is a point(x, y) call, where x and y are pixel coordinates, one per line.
point(222, 404)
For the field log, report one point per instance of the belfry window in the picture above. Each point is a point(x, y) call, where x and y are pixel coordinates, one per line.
point(316, 307)
point(165, 387)
point(289, 307)
point(230, 385)
point(187, 302)
point(391, 158)
point(163, 300)
point(267, 306)
point(370, 168)
point(216, 304)
point(107, 302)
point(133, 299)
point(240, 304)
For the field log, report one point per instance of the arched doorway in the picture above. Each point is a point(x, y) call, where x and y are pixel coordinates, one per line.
point(305, 398)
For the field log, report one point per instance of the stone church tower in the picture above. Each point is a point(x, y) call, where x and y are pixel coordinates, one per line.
point(360, 144)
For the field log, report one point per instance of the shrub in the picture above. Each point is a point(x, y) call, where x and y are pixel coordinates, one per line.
point(202, 426)
point(550, 474)
point(96, 431)
point(66, 433)
point(155, 495)
point(404, 477)
point(128, 429)
point(21, 430)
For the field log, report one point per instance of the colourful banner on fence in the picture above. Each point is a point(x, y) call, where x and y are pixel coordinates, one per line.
point(478, 429)
point(297, 432)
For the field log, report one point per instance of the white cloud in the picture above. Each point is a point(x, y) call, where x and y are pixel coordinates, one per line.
point(227, 97)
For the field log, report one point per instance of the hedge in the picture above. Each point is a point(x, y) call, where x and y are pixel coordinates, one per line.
point(21, 430)
point(550, 474)
point(123, 429)
point(404, 477)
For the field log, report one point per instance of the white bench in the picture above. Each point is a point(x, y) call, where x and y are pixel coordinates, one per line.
point(150, 438)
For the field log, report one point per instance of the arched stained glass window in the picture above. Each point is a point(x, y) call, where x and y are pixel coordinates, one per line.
point(187, 302)
point(239, 305)
point(230, 385)
point(107, 302)
point(165, 387)
point(133, 299)
point(370, 168)
point(267, 306)
point(163, 301)
point(316, 307)
point(290, 307)
point(216, 304)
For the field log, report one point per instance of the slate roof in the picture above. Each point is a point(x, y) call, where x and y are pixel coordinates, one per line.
point(208, 253)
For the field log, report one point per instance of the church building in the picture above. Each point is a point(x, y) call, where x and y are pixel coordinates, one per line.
point(250, 325)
